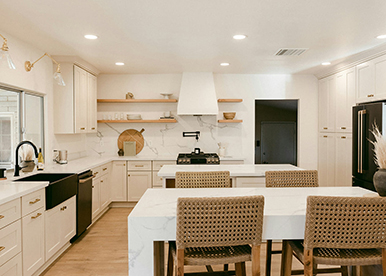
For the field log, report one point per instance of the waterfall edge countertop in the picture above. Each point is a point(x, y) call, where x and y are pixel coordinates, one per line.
point(242, 170)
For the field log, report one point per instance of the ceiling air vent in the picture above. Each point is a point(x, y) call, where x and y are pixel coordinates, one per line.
point(290, 51)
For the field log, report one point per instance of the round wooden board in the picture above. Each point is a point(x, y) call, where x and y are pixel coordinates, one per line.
point(132, 135)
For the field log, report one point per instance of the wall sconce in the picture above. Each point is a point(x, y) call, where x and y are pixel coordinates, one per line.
point(57, 75)
point(5, 55)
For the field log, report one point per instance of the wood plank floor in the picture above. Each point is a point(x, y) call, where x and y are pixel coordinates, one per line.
point(103, 251)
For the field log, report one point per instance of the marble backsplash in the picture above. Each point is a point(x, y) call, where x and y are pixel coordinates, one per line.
point(167, 140)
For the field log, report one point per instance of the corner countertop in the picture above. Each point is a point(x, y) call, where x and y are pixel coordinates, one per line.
point(169, 171)
point(11, 190)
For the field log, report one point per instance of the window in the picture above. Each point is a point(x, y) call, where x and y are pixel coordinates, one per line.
point(21, 118)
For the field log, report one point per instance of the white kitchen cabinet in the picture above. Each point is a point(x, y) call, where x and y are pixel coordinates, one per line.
point(326, 165)
point(118, 181)
point(327, 88)
point(75, 104)
point(104, 191)
point(60, 226)
point(157, 165)
point(249, 182)
point(365, 82)
point(343, 159)
point(33, 241)
point(13, 267)
point(379, 75)
point(138, 182)
point(345, 100)
point(10, 241)
point(96, 202)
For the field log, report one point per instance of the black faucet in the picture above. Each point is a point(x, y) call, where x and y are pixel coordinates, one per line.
point(17, 168)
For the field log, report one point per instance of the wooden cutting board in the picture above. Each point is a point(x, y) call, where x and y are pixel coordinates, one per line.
point(132, 135)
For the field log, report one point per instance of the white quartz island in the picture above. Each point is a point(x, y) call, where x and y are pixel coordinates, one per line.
point(243, 176)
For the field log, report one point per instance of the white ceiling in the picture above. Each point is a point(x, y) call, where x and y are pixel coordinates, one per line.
point(172, 36)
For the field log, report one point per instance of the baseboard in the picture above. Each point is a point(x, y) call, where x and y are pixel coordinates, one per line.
point(52, 259)
point(123, 204)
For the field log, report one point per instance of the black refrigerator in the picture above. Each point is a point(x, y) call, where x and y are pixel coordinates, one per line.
point(363, 165)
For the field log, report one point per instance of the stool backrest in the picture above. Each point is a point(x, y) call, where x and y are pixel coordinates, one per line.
point(219, 221)
point(295, 178)
point(215, 179)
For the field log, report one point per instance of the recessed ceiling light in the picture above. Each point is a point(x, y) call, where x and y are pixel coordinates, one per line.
point(326, 63)
point(381, 36)
point(239, 36)
point(224, 64)
point(119, 63)
point(90, 36)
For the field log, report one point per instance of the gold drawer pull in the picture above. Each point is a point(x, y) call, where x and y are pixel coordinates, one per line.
point(37, 215)
point(95, 173)
point(93, 186)
point(35, 201)
point(325, 128)
point(325, 136)
point(370, 95)
point(101, 181)
point(138, 166)
point(63, 208)
point(1, 217)
point(2, 248)
point(128, 175)
point(93, 128)
point(343, 128)
point(104, 169)
point(343, 137)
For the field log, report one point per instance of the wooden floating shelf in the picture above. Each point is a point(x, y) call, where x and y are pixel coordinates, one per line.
point(137, 100)
point(139, 121)
point(230, 100)
point(230, 121)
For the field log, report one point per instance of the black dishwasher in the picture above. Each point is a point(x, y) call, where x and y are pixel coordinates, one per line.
point(83, 203)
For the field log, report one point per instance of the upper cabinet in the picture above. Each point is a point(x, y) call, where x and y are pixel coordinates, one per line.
point(327, 87)
point(75, 105)
point(345, 100)
point(371, 81)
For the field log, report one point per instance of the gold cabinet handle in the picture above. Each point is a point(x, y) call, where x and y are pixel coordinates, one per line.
point(138, 166)
point(124, 164)
point(93, 128)
point(325, 136)
point(63, 208)
point(82, 128)
point(101, 181)
point(37, 215)
point(104, 169)
point(370, 95)
point(1, 217)
point(128, 175)
point(325, 128)
point(93, 186)
point(95, 173)
point(2, 248)
point(343, 137)
point(343, 128)
point(35, 201)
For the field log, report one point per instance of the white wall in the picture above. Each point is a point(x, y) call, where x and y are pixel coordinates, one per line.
point(166, 139)
point(39, 80)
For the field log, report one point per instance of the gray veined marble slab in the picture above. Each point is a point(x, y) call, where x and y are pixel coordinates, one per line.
point(154, 216)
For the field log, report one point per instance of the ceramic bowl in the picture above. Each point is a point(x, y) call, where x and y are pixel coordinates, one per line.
point(229, 115)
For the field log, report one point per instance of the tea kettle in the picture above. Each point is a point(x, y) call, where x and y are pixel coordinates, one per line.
point(61, 156)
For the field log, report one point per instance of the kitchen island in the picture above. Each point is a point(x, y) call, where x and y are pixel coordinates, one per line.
point(242, 176)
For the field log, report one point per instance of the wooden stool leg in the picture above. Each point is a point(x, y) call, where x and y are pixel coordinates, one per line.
point(384, 261)
point(268, 259)
point(286, 260)
point(358, 270)
point(308, 262)
point(180, 262)
point(256, 260)
point(344, 271)
point(170, 263)
point(240, 269)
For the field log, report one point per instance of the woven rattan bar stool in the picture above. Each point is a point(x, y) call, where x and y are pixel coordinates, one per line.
point(346, 231)
point(295, 178)
point(217, 230)
point(215, 179)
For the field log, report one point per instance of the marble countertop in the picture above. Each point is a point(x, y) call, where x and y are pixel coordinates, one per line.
point(169, 171)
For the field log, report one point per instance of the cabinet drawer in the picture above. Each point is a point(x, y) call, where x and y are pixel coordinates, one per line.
point(231, 162)
point(157, 180)
point(32, 202)
point(157, 165)
point(250, 182)
point(13, 267)
point(9, 212)
point(139, 165)
point(97, 171)
point(105, 169)
point(10, 241)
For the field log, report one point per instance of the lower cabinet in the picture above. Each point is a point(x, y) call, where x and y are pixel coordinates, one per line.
point(60, 226)
point(138, 183)
point(248, 182)
point(101, 189)
point(96, 202)
point(13, 267)
point(104, 191)
point(118, 181)
point(33, 241)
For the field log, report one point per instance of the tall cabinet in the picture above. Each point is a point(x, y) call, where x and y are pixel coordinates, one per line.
point(75, 105)
point(336, 99)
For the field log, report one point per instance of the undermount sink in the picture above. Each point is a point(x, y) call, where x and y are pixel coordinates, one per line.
point(62, 186)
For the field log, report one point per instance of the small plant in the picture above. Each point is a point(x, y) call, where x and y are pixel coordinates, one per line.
point(379, 147)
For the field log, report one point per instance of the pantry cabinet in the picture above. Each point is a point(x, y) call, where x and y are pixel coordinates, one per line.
point(327, 88)
point(60, 226)
point(345, 100)
point(326, 170)
point(75, 104)
point(343, 159)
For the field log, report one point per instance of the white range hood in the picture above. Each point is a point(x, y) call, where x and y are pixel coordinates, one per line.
point(197, 95)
